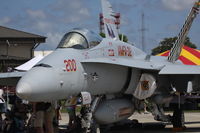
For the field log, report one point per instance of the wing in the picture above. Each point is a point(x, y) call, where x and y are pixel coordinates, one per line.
point(181, 76)
point(180, 69)
point(11, 78)
point(164, 69)
point(140, 64)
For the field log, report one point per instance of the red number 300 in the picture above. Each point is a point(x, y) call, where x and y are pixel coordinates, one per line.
point(70, 65)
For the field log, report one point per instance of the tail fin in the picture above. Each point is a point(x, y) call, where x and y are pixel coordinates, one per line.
point(177, 47)
point(109, 20)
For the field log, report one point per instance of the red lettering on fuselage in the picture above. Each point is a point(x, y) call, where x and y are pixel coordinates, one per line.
point(111, 52)
point(70, 65)
point(124, 51)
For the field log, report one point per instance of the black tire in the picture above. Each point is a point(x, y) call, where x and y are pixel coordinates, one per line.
point(95, 128)
point(78, 127)
point(178, 118)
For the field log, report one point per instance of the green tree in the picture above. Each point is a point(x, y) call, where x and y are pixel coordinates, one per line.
point(102, 34)
point(167, 44)
point(125, 38)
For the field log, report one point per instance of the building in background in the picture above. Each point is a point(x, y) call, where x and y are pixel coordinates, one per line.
point(16, 47)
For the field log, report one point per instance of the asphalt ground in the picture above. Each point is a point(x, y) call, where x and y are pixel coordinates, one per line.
point(146, 125)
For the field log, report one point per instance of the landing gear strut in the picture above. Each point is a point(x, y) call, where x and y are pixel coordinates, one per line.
point(158, 113)
point(88, 123)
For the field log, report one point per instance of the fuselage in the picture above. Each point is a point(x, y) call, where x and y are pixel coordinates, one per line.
point(65, 73)
point(61, 74)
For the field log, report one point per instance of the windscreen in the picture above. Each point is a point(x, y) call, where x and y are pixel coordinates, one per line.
point(73, 40)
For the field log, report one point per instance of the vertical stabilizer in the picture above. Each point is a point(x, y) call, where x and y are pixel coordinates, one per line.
point(177, 47)
point(109, 20)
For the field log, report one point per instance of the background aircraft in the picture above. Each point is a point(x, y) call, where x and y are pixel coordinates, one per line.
point(111, 77)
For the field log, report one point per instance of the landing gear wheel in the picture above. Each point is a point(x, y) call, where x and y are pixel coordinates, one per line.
point(178, 118)
point(95, 128)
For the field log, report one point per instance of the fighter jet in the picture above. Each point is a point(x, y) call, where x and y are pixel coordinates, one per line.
point(111, 77)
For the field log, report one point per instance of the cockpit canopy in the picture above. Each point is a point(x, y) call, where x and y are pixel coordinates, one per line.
point(80, 39)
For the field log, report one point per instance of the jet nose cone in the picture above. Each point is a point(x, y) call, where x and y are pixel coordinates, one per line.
point(23, 90)
point(38, 84)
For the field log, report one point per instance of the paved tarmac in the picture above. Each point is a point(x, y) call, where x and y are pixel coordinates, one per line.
point(149, 125)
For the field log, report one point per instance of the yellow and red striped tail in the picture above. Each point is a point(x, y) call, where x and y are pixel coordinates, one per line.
point(188, 56)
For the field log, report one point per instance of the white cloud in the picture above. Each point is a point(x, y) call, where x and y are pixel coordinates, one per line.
point(37, 14)
point(177, 5)
point(43, 25)
point(5, 20)
point(71, 12)
point(53, 39)
point(84, 11)
point(75, 4)
point(39, 21)
point(173, 27)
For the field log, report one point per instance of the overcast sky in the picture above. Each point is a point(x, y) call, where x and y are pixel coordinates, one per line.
point(53, 18)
